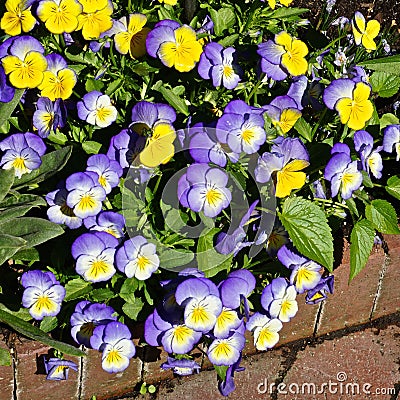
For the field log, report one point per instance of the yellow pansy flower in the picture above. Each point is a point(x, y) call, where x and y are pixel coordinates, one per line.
point(94, 22)
point(18, 18)
point(365, 33)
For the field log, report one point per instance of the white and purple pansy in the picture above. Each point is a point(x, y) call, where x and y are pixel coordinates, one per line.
point(371, 160)
point(265, 330)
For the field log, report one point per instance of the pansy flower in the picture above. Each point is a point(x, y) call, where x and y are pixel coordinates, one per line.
point(305, 274)
point(175, 45)
point(351, 100)
point(342, 172)
point(201, 302)
point(131, 37)
point(272, 3)
point(43, 294)
point(153, 122)
point(371, 160)
point(59, 212)
point(265, 330)
point(319, 292)
point(6, 91)
point(284, 112)
point(282, 56)
point(219, 64)
point(59, 16)
point(137, 258)
point(365, 33)
point(284, 164)
point(18, 18)
point(227, 386)
point(391, 140)
point(96, 109)
point(85, 194)
point(114, 341)
point(94, 256)
point(241, 127)
point(226, 351)
point(23, 152)
point(86, 317)
point(49, 116)
point(279, 299)
point(169, 2)
point(174, 337)
point(107, 221)
point(58, 80)
point(25, 63)
point(58, 369)
point(181, 367)
point(203, 188)
point(108, 171)
point(95, 18)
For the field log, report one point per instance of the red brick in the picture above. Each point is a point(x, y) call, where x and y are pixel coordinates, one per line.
point(33, 385)
point(104, 385)
point(152, 371)
point(204, 386)
point(6, 378)
point(388, 300)
point(351, 304)
point(366, 357)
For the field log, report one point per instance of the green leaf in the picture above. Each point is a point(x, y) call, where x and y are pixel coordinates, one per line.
point(128, 289)
point(221, 371)
point(94, 84)
point(304, 129)
point(76, 288)
point(6, 181)
point(27, 254)
point(229, 40)
point(9, 245)
point(30, 331)
point(361, 243)
point(5, 357)
point(113, 86)
point(308, 228)
point(132, 309)
point(367, 182)
point(6, 109)
point(383, 216)
point(171, 258)
point(174, 100)
point(393, 186)
point(385, 84)
point(33, 230)
point(388, 119)
point(48, 324)
point(391, 63)
point(101, 295)
point(91, 147)
point(208, 259)
point(17, 206)
point(223, 19)
point(51, 164)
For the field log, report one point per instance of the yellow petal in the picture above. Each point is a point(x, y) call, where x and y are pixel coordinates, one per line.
point(91, 6)
point(272, 4)
point(11, 24)
point(122, 42)
point(167, 53)
point(372, 29)
point(286, 181)
point(136, 23)
point(358, 26)
point(28, 20)
point(344, 108)
point(286, 2)
point(288, 118)
point(284, 39)
point(361, 92)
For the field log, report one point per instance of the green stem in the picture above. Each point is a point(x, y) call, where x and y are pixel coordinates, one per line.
point(316, 126)
point(333, 42)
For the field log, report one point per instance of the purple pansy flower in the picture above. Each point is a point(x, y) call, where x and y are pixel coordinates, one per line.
point(279, 299)
point(391, 138)
point(137, 258)
point(114, 341)
point(94, 255)
point(43, 294)
point(85, 194)
point(241, 127)
point(342, 172)
point(6, 92)
point(226, 351)
point(218, 64)
point(181, 367)
point(227, 386)
point(107, 221)
point(86, 317)
point(58, 211)
point(318, 293)
point(305, 273)
point(96, 109)
point(23, 152)
point(108, 171)
point(371, 160)
point(58, 369)
point(49, 116)
point(203, 188)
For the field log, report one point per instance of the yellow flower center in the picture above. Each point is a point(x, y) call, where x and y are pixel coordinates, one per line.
point(102, 181)
point(228, 71)
point(44, 302)
point(247, 135)
point(181, 333)
point(113, 357)
point(223, 349)
point(87, 202)
point(98, 267)
point(213, 197)
point(19, 163)
point(142, 262)
point(199, 315)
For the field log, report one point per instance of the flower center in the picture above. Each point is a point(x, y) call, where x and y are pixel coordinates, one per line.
point(213, 197)
point(114, 357)
point(142, 262)
point(247, 135)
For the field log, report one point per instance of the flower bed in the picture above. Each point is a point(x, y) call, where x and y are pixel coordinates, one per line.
point(186, 168)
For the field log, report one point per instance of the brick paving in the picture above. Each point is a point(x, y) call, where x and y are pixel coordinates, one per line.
point(355, 332)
